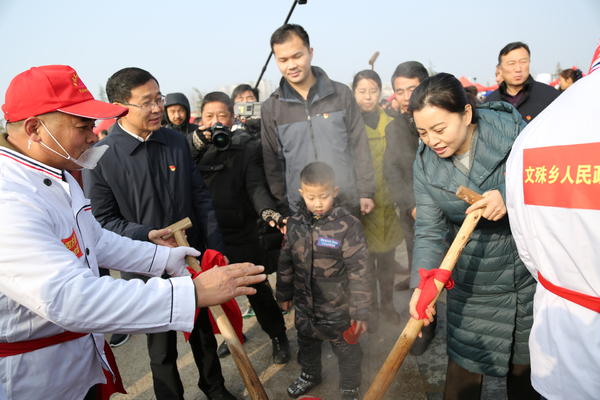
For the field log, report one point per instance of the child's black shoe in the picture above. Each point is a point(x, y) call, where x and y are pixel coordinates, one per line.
point(303, 384)
point(350, 394)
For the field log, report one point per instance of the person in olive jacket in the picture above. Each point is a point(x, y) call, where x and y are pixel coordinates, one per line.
point(490, 307)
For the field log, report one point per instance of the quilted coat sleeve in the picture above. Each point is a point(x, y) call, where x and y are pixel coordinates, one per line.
point(431, 228)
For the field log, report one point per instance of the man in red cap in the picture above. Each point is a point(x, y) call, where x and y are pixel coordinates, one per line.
point(52, 300)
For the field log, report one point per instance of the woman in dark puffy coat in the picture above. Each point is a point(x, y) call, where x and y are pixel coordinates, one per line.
point(490, 307)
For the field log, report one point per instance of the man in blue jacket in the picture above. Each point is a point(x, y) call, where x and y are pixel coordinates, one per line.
point(146, 181)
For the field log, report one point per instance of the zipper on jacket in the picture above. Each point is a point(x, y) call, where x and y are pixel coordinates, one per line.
point(310, 128)
point(312, 226)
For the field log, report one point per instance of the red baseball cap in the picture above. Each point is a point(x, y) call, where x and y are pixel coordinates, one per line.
point(48, 88)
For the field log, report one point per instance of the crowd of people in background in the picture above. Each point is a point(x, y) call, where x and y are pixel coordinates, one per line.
point(321, 183)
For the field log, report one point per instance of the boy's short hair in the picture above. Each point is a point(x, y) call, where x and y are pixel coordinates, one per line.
point(317, 173)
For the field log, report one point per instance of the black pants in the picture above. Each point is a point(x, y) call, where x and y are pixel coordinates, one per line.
point(267, 311)
point(263, 302)
point(349, 359)
point(408, 227)
point(462, 384)
point(162, 349)
point(384, 266)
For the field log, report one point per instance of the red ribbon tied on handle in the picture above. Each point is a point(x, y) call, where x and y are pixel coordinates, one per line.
point(429, 290)
point(210, 259)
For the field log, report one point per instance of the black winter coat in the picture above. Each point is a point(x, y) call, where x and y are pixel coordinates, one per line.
point(402, 141)
point(537, 96)
point(140, 186)
point(237, 183)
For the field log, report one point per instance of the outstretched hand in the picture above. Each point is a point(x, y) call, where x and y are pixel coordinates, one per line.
point(218, 285)
point(493, 205)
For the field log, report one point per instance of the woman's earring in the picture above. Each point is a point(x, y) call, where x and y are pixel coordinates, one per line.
point(29, 144)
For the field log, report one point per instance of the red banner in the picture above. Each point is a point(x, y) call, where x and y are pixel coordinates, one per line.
point(563, 176)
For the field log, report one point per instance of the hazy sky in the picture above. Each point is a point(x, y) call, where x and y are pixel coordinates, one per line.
point(212, 44)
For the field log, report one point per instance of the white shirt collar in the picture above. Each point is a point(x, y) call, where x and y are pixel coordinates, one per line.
point(141, 139)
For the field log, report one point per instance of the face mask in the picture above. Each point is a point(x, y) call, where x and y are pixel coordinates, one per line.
point(88, 159)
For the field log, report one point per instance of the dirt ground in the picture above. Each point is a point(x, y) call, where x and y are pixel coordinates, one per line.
point(420, 378)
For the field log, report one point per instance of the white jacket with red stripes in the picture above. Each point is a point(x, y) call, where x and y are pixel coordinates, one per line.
point(50, 250)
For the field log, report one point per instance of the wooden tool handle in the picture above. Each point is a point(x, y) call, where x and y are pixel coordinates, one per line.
point(396, 357)
point(253, 384)
point(468, 195)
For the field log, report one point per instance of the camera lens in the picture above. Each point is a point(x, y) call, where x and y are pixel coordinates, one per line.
point(220, 137)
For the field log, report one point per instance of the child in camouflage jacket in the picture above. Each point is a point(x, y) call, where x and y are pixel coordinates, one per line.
point(324, 271)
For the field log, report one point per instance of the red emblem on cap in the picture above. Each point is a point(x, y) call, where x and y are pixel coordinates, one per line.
point(172, 168)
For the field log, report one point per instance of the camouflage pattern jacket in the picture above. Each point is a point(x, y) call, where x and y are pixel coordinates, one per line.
point(324, 270)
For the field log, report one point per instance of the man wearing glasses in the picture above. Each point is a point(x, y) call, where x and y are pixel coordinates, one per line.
point(146, 181)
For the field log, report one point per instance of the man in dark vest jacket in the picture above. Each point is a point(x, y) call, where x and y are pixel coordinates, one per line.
point(518, 87)
point(234, 175)
point(145, 181)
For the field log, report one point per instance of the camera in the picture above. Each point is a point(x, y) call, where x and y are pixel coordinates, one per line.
point(247, 110)
point(248, 115)
point(220, 137)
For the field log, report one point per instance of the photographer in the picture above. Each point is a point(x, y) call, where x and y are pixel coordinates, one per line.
point(246, 109)
point(231, 165)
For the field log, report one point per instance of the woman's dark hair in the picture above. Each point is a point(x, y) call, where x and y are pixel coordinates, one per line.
point(122, 82)
point(574, 74)
point(443, 91)
point(239, 89)
point(284, 32)
point(366, 74)
point(217, 97)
